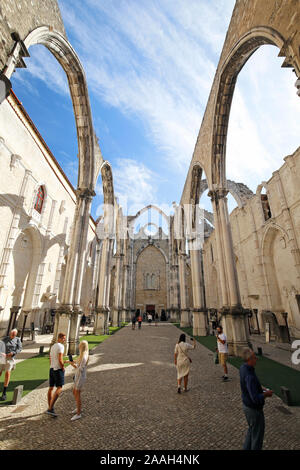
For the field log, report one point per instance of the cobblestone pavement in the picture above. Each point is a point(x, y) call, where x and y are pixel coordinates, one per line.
point(130, 401)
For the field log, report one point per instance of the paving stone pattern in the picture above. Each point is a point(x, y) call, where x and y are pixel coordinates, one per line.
point(130, 401)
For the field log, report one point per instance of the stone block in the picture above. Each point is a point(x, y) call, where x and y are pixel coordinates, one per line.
point(18, 391)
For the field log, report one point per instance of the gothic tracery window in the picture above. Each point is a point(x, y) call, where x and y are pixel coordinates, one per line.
point(39, 201)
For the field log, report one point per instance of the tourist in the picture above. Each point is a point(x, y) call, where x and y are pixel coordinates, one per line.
point(253, 397)
point(57, 373)
point(80, 376)
point(13, 346)
point(133, 321)
point(149, 318)
point(183, 361)
point(140, 319)
point(223, 351)
point(83, 321)
point(156, 318)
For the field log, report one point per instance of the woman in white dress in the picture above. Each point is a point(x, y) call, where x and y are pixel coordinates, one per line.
point(183, 361)
point(80, 376)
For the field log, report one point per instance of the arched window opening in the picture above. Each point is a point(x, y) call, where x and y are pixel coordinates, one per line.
point(39, 201)
point(266, 206)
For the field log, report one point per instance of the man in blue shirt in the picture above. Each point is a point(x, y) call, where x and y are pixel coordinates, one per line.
point(253, 397)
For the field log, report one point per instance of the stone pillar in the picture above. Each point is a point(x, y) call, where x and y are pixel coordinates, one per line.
point(231, 274)
point(220, 247)
point(184, 311)
point(102, 309)
point(125, 317)
point(70, 309)
point(175, 300)
point(234, 318)
point(199, 311)
point(101, 321)
point(117, 309)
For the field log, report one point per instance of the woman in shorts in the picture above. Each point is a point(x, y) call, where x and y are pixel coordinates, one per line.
point(80, 376)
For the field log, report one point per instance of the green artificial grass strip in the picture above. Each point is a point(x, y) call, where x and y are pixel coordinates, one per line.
point(30, 373)
point(34, 371)
point(94, 340)
point(271, 374)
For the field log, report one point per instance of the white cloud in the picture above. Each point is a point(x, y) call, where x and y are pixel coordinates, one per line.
point(44, 66)
point(156, 61)
point(264, 121)
point(149, 60)
point(135, 185)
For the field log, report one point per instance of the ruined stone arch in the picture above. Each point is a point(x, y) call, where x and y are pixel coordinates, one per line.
point(62, 50)
point(250, 27)
point(225, 85)
point(273, 289)
point(150, 206)
point(239, 191)
point(37, 244)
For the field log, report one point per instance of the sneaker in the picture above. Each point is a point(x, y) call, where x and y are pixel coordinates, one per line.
point(178, 390)
point(186, 390)
point(74, 411)
point(225, 378)
point(52, 413)
point(3, 397)
point(75, 417)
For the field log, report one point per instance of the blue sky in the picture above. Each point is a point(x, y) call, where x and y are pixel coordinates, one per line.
point(149, 68)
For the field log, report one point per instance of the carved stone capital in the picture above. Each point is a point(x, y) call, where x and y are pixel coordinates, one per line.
point(85, 193)
point(217, 194)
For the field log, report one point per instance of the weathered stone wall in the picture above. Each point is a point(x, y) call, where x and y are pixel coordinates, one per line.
point(266, 251)
point(37, 244)
point(23, 16)
point(151, 261)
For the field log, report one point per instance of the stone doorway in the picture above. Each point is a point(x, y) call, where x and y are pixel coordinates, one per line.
point(150, 309)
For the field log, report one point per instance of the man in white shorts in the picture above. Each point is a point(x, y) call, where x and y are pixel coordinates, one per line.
point(223, 351)
point(13, 346)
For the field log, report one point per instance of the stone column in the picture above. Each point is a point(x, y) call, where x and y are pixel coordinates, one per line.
point(220, 248)
point(102, 309)
point(199, 311)
point(70, 310)
point(184, 311)
point(125, 311)
point(231, 274)
point(117, 309)
point(234, 318)
point(175, 304)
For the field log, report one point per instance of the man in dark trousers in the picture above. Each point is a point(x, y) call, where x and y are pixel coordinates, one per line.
point(253, 397)
point(13, 346)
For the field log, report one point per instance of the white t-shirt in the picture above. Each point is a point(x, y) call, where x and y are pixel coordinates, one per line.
point(222, 348)
point(56, 349)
